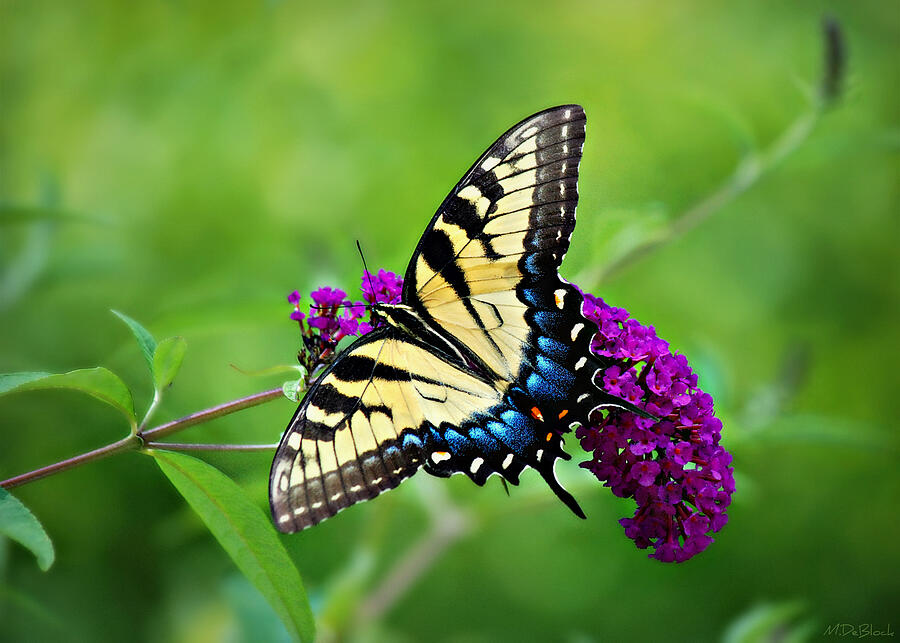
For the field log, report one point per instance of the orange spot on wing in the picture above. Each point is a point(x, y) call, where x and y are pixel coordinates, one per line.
point(536, 413)
point(563, 413)
point(549, 437)
point(558, 299)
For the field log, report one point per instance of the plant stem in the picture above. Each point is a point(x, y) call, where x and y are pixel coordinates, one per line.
point(746, 174)
point(125, 444)
point(750, 169)
point(157, 398)
point(190, 446)
point(208, 414)
point(143, 439)
point(449, 524)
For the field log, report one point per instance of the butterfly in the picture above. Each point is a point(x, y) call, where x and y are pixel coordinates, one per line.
point(484, 364)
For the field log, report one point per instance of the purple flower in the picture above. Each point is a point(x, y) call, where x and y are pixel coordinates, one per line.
point(294, 299)
point(674, 468)
point(644, 471)
point(680, 453)
point(348, 325)
point(385, 287)
point(331, 317)
point(326, 297)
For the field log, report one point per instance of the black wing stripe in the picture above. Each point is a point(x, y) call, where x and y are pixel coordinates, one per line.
point(548, 124)
point(542, 211)
point(554, 152)
point(544, 174)
point(543, 145)
point(533, 160)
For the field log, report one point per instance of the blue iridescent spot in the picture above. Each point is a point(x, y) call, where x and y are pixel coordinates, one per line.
point(506, 435)
point(514, 419)
point(562, 378)
point(554, 348)
point(532, 296)
point(518, 432)
point(433, 439)
point(546, 321)
point(540, 389)
point(533, 264)
point(456, 440)
point(485, 442)
point(411, 441)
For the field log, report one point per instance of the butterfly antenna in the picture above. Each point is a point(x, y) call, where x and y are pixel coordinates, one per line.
point(365, 267)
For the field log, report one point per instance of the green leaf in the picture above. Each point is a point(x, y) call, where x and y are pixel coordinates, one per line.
point(254, 618)
point(97, 382)
point(768, 622)
point(142, 335)
point(18, 523)
point(246, 534)
point(293, 388)
point(167, 361)
point(25, 264)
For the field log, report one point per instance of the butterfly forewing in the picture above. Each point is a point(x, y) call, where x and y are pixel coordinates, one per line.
point(505, 226)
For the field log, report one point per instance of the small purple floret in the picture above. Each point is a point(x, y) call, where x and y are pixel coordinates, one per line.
point(385, 287)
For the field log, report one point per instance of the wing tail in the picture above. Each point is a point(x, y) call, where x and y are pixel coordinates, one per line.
point(549, 475)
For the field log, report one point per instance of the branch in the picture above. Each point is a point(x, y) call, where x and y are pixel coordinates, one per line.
point(125, 444)
point(211, 413)
point(143, 439)
point(751, 168)
point(449, 524)
point(190, 446)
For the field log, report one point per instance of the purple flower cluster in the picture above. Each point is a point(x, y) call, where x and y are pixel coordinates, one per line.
point(332, 316)
point(674, 468)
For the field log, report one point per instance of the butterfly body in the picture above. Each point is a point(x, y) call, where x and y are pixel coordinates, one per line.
point(484, 364)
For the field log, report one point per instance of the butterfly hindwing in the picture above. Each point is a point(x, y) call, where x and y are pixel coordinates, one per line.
point(369, 422)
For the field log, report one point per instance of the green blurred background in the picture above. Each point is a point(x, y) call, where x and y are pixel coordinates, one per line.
point(190, 165)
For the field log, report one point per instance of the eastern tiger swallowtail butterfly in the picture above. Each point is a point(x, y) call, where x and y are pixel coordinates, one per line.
point(486, 361)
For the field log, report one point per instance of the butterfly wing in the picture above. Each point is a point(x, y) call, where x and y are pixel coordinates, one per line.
point(491, 253)
point(369, 422)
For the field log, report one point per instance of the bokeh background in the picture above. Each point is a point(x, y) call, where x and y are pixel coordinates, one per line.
point(190, 165)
